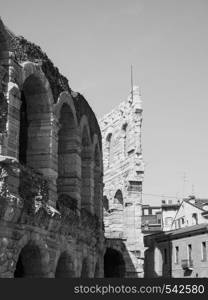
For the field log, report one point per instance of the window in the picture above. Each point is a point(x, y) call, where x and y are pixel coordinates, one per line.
point(194, 219)
point(165, 256)
point(177, 224)
point(124, 127)
point(190, 252)
point(146, 212)
point(176, 254)
point(204, 251)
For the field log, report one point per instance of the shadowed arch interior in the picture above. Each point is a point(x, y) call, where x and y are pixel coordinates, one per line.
point(114, 265)
point(65, 267)
point(29, 263)
point(118, 198)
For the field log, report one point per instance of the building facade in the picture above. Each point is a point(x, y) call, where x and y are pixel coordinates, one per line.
point(181, 253)
point(192, 211)
point(181, 249)
point(123, 176)
point(51, 216)
point(159, 218)
point(169, 210)
point(151, 219)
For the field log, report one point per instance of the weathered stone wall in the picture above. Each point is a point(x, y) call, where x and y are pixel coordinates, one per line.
point(51, 218)
point(123, 176)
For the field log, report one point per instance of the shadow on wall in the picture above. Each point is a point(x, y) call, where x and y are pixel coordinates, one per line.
point(158, 258)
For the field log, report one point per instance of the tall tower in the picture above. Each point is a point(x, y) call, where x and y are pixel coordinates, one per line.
point(123, 177)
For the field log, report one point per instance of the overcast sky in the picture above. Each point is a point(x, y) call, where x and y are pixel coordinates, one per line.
point(94, 42)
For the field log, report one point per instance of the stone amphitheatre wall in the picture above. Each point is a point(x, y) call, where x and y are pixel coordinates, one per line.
point(51, 173)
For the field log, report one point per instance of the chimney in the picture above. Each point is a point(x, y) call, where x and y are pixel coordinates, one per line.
point(192, 199)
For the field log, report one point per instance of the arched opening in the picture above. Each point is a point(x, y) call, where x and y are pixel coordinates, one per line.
point(85, 269)
point(117, 213)
point(109, 153)
point(97, 182)
point(124, 131)
point(118, 199)
point(114, 265)
point(29, 263)
point(105, 203)
point(86, 173)
point(34, 133)
point(67, 153)
point(65, 267)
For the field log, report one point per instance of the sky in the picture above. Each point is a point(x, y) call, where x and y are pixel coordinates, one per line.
point(94, 43)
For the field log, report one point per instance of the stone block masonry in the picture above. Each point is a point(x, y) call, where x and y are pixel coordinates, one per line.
point(51, 169)
point(123, 177)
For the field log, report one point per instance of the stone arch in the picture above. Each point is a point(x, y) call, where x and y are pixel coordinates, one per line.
point(68, 149)
point(117, 212)
point(66, 98)
point(85, 271)
point(35, 119)
point(97, 178)
point(114, 264)
point(31, 68)
point(65, 266)
point(32, 261)
point(118, 198)
point(86, 167)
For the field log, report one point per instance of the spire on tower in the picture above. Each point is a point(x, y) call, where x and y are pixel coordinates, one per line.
point(135, 94)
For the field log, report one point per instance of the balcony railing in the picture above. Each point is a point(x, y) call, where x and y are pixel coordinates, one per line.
point(187, 264)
